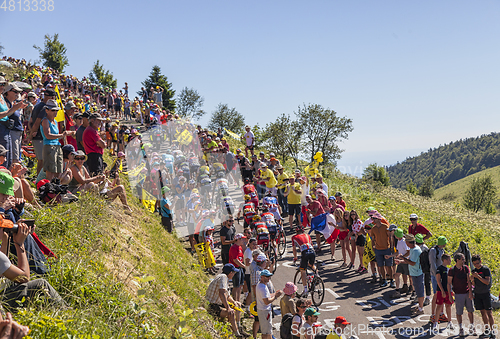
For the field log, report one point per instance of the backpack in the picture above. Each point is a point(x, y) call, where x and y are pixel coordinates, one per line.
point(425, 262)
point(286, 326)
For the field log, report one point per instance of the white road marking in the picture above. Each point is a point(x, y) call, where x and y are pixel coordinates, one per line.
point(335, 295)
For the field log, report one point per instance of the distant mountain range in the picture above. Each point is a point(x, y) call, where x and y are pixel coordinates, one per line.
point(448, 163)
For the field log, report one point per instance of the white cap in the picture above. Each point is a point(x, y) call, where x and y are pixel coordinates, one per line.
point(261, 258)
point(413, 216)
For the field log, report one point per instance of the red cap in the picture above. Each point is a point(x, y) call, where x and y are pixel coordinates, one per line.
point(341, 320)
point(41, 183)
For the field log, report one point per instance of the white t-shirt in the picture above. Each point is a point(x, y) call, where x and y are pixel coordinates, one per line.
point(402, 247)
point(262, 291)
point(249, 138)
point(305, 191)
point(324, 187)
point(4, 263)
point(248, 255)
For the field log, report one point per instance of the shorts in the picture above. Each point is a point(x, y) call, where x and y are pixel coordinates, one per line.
point(381, 260)
point(53, 158)
point(118, 108)
point(343, 235)
point(462, 300)
point(272, 235)
point(277, 216)
point(238, 278)
point(434, 283)
point(307, 257)
point(273, 190)
point(361, 240)
point(247, 281)
point(214, 310)
point(482, 301)
point(440, 300)
point(266, 326)
point(403, 269)
point(263, 240)
point(95, 164)
point(418, 285)
point(294, 209)
point(16, 137)
point(167, 223)
point(250, 148)
point(38, 148)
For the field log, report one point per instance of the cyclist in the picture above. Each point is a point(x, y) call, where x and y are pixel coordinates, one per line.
point(259, 228)
point(247, 209)
point(249, 189)
point(271, 225)
point(307, 257)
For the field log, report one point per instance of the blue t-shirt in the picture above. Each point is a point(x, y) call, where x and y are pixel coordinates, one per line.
point(415, 270)
point(165, 212)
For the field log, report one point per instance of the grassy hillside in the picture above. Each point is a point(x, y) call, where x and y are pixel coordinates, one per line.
point(454, 192)
point(448, 163)
point(122, 274)
point(480, 230)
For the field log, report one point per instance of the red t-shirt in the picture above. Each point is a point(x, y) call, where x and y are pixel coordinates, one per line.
point(235, 252)
point(316, 208)
point(418, 229)
point(303, 241)
point(341, 202)
point(89, 139)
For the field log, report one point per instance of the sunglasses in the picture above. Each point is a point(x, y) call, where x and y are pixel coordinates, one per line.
point(79, 158)
point(301, 307)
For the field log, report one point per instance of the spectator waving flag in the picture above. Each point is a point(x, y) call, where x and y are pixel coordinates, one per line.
point(325, 224)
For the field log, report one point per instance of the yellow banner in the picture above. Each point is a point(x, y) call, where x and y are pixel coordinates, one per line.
point(369, 254)
point(205, 255)
point(60, 113)
point(135, 171)
point(148, 200)
point(232, 134)
point(185, 138)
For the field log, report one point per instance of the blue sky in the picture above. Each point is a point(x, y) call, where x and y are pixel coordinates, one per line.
point(411, 75)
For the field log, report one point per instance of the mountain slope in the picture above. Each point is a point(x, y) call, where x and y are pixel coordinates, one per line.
point(454, 191)
point(448, 163)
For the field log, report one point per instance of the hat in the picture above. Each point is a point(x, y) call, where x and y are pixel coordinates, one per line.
point(80, 153)
point(266, 273)
point(49, 92)
point(442, 241)
point(69, 105)
point(120, 154)
point(376, 215)
point(12, 86)
point(96, 116)
point(3, 150)
point(279, 167)
point(165, 190)
point(239, 236)
point(297, 171)
point(371, 209)
point(413, 216)
point(410, 237)
point(261, 257)
point(69, 149)
point(32, 94)
point(338, 194)
point(311, 311)
point(302, 178)
point(419, 238)
point(52, 105)
point(86, 115)
point(228, 268)
point(6, 183)
point(272, 155)
point(41, 183)
point(398, 233)
point(77, 116)
point(290, 288)
point(263, 165)
point(2, 80)
point(331, 198)
point(261, 152)
point(392, 227)
point(341, 320)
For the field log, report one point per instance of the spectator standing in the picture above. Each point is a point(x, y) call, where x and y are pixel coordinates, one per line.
point(69, 124)
point(249, 141)
point(227, 233)
point(79, 132)
point(419, 239)
point(287, 302)
point(94, 145)
point(293, 193)
point(12, 96)
point(165, 210)
point(158, 96)
point(382, 244)
point(416, 228)
point(308, 330)
point(236, 258)
point(248, 258)
point(265, 295)
point(459, 280)
point(259, 264)
point(443, 296)
point(435, 254)
point(416, 274)
point(402, 268)
point(481, 276)
point(282, 180)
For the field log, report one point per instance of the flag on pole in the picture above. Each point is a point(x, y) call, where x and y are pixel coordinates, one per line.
point(148, 200)
point(232, 134)
point(60, 113)
point(325, 224)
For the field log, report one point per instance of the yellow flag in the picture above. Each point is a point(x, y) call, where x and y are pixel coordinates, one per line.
point(148, 200)
point(185, 138)
point(369, 254)
point(232, 134)
point(60, 113)
point(205, 255)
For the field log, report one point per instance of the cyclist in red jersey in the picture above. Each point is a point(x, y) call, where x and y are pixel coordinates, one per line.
point(261, 231)
point(271, 224)
point(247, 209)
point(249, 189)
point(307, 257)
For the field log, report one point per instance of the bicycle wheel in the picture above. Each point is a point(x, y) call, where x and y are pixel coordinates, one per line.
point(317, 291)
point(281, 243)
point(297, 280)
point(273, 258)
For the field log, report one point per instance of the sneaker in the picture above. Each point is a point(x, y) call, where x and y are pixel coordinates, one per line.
point(435, 326)
point(244, 333)
point(461, 333)
point(484, 335)
point(404, 290)
point(418, 312)
point(472, 330)
point(383, 283)
point(393, 284)
point(396, 294)
point(374, 279)
point(426, 301)
point(443, 319)
point(432, 319)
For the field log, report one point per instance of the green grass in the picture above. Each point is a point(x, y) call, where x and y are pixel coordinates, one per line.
point(455, 191)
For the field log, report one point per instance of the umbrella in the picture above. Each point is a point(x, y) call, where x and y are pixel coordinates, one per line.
point(22, 85)
point(5, 63)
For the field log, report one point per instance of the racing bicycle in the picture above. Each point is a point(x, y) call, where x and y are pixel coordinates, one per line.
point(315, 285)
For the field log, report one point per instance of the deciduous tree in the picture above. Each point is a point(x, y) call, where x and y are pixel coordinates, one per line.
point(189, 103)
point(100, 76)
point(481, 194)
point(284, 138)
point(376, 173)
point(225, 117)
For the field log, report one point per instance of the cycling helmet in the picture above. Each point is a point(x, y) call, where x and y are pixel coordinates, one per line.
point(256, 217)
point(265, 208)
point(247, 197)
point(299, 229)
point(268, 193)
point(220, 175)
point(246, 181)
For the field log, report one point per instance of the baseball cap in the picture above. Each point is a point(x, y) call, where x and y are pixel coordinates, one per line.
point(413, 216)
point(311, 311)
point(68, 149)
point(266, 273)
point(297, 171)
point(419, 238)
point(52, 105)
point(392, 227)
point(228, 268)
point(69, 105)
point(338, 194)
point(86, 115)
point(239, 236)
point(96, 116)
point(442, 240)
point(49, 92)
point(3, 150)
point(2, 80)
point(341, 320)
point(261, 258)
point(6, 183)
point(371, 209)
point(12, 86)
